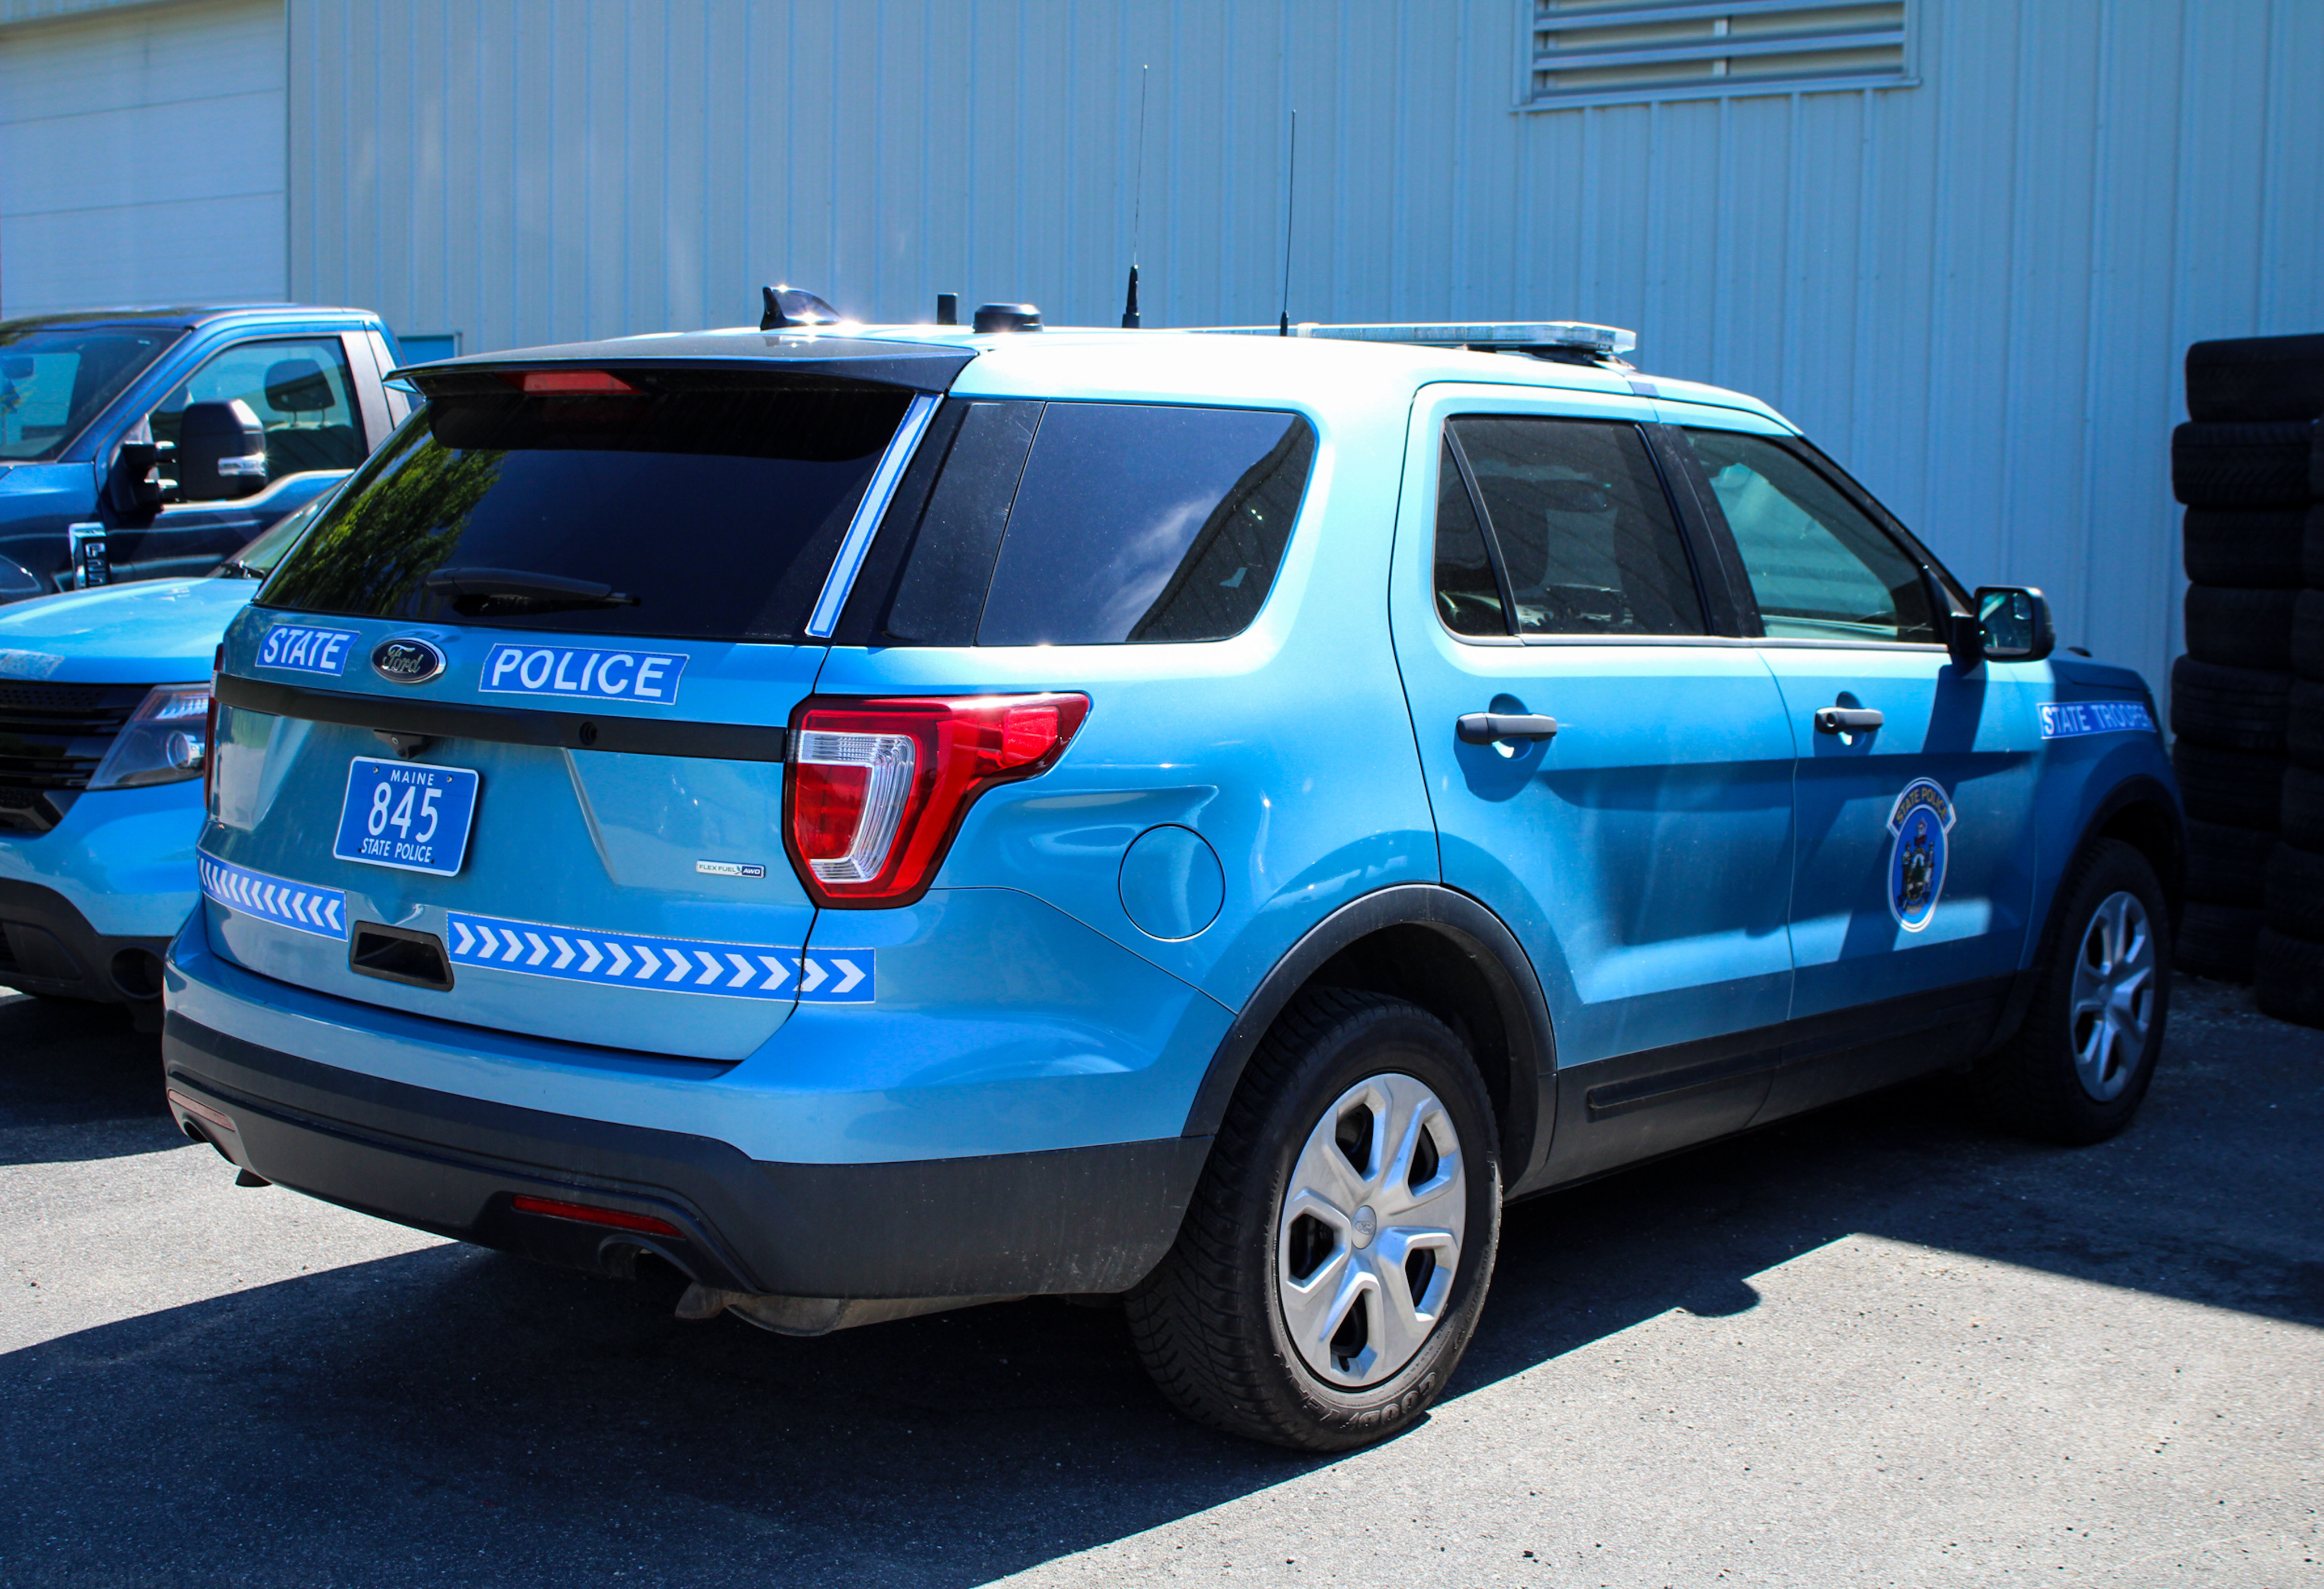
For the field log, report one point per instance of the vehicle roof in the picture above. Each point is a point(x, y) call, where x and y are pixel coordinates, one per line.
point(182, 317)
point(1065, 361)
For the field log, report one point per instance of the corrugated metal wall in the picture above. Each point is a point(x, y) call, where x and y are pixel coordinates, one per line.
point(1974, 291)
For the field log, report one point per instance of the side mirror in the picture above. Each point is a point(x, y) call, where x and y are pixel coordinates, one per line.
point(2012, 625)
point(135, 484)
point(221, 452)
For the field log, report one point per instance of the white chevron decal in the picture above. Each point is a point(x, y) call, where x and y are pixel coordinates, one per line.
point(539, 949)
point(592, 954)
point(515, 947)
point(713, 970)
point(461, 938)
point(811, 975)
point(851, 974)
point(338, 926)
point(621, 959)
point(648, 963)
point(563, 953)
point(777, 973)
point(742, 972)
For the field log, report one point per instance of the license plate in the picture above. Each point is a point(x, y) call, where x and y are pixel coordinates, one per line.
point(408, 814)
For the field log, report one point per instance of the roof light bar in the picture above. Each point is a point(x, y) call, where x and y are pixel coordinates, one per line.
point(1605, 341)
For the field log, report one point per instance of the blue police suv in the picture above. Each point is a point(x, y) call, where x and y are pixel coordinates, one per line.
point(881, 819)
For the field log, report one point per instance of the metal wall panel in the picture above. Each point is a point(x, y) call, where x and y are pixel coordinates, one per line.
point(142, 156)
point(1974, 291)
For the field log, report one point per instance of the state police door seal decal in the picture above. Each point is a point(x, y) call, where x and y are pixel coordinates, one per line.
point(1920, 823)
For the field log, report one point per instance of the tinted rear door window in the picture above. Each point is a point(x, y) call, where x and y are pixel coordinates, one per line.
point(1587, 538)
point(717, 502)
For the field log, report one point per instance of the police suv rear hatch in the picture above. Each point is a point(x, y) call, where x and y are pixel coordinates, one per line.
point(503, 742)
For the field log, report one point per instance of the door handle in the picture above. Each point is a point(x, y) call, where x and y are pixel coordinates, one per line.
point(1847, 720)
point(1485, 727)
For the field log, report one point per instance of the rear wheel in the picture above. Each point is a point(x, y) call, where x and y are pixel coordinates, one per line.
point(2081, 1063)
point(1337, 1252)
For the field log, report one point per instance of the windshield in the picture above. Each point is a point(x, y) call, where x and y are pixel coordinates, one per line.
point(257, 560)
point(55, 379)
point(685, 505)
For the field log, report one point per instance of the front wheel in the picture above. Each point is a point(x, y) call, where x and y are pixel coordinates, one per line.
point(1337, 1252)
point(2079, 1065)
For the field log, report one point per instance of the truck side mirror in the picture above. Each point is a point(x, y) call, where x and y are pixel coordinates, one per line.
point(221, 452)
point(135, 483)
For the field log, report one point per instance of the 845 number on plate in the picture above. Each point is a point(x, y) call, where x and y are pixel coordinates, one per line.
point(408, 815)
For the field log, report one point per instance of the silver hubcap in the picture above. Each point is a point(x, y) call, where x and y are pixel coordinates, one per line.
point(2114, 995)
point(1369, 1238)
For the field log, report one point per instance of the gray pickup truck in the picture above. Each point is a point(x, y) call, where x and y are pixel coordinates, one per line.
point(146, 444)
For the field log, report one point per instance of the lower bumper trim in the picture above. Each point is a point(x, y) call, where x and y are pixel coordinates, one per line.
point(1073, 1220)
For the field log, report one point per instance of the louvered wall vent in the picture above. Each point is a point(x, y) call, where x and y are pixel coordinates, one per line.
point(1600, 50)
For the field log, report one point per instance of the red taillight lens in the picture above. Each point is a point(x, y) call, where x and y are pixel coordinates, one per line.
point(875, 790)
point(645, 1223)
point(210, 737)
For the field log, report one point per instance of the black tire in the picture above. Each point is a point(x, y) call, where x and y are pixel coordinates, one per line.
point(2228, 708)
point(2249, 379)
point(1209, 1322)
point(2295, 893)
point(2228, 865)
point(2030, 1084)
point(2290, 975)
point(2242, 466)
point(2243, 788)
point(2312, 541)
point(2302, 809)
point(2247, 547)
point(2303, 723)
point(2215, 940)
point(2307, 633)
point(2238, 628)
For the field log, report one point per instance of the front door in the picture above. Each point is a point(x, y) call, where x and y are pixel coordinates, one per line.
point(1642, 854)
point(1913, 873)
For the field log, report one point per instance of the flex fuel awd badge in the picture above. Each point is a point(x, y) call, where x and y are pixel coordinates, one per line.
point(1918, 825)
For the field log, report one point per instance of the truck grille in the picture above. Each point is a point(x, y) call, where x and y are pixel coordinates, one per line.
point(53, 736)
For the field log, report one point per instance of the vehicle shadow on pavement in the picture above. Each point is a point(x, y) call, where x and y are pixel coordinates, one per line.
point(454, 1415)
point(76, 1082)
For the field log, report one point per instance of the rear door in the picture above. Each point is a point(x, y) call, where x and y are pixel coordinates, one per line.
point(576, 616)
point(1643, 854)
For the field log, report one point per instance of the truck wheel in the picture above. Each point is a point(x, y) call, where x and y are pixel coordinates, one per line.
point(2079, 1063)
point(1337, 1250)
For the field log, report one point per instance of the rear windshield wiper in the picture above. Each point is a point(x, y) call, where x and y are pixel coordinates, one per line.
point(476, 590)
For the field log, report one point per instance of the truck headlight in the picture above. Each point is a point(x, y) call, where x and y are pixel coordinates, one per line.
point(165, 740)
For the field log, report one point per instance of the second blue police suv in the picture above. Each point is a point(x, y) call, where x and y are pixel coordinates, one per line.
point(883, 819)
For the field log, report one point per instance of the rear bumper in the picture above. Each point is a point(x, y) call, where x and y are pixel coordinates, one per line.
point(1089, 1219)
point(48, 946)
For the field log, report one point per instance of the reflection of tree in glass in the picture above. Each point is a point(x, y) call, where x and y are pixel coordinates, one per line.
point(392, 533)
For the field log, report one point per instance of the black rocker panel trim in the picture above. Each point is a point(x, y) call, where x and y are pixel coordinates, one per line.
point(1489, 945)
point(577, 731)
point(1619, 1111)
point(1076, 1220)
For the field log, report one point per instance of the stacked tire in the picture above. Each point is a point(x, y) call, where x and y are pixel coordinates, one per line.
point(2248, 700)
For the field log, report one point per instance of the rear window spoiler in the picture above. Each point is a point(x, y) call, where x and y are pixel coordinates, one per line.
point(914, 366)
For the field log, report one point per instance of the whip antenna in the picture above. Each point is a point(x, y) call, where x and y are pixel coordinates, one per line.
point(1137, 207)
point(1290, 198)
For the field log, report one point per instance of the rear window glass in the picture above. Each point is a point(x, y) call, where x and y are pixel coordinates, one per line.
point(698, 507)
point(1074, 523)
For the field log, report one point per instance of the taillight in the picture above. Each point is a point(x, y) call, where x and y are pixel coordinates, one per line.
point(209, 735)
point(875, 790)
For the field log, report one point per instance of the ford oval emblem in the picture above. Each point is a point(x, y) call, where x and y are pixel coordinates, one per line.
point(406, 660)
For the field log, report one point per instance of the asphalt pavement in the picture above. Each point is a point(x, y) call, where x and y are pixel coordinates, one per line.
point(1875, 1345)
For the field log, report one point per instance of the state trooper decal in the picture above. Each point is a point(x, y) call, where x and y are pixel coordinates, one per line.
point(1919, 823)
